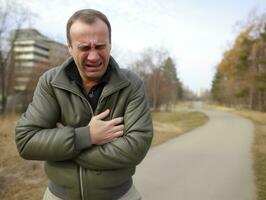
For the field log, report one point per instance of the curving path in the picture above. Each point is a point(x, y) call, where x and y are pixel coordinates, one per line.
point(213, 162)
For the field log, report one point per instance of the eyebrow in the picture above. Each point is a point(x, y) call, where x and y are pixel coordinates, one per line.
point(82, 45)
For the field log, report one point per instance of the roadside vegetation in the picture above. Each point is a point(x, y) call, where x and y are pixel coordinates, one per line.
point(19, 179)
point(184, 104)
point(24, 179)
point(168, 125)
point(259, 145)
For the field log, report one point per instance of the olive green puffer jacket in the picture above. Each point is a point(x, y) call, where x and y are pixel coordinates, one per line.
point(90, 173)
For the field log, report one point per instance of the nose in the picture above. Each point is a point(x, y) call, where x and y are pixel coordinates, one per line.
point(93, 56)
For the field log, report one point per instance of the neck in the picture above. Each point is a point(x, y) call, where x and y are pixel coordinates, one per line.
point(89, 84)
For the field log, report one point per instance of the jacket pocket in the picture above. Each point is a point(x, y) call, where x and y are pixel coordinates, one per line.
point(108, 179)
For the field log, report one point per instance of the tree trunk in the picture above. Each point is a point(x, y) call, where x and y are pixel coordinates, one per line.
point(3, 85)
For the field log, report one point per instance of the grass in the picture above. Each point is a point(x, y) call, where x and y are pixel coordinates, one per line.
point(188, 104)
point(19, 179)
point(259, 145)
point(24, 179)
point(168, 125)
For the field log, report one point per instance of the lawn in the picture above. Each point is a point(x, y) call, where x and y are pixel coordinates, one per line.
point(168, 125)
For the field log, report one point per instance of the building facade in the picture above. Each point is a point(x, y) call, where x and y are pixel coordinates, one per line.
point(34, 53)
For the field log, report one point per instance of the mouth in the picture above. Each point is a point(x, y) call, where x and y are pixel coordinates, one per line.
point(93, 66)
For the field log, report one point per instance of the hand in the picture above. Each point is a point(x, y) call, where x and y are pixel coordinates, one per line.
point(103, 132)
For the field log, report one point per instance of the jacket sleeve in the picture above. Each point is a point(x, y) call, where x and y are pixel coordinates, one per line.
point(130, 149)
point(36, 136)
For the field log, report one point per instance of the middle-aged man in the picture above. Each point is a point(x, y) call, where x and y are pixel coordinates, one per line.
point(89, 119)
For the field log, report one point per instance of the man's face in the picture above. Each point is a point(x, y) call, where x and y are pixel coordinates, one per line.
point(90, 47)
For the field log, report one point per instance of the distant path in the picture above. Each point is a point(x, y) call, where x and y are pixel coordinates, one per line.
point(212, 162)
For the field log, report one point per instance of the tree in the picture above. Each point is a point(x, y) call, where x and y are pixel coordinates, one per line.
point(158, 70)
point(171, 85)
point(231, 84)
point(216, 89)
point(240, 78)
point(148, 66)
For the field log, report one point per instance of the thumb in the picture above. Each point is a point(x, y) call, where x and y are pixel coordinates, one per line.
point(59, 125)
point(102, 115)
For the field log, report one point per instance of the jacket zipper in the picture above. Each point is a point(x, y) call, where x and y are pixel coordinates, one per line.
point(81, 183)
point(80, 167)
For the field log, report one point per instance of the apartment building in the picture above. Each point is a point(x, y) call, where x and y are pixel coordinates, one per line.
point(34, 53)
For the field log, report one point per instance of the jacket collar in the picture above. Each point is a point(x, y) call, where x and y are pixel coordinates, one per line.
point(116, 82)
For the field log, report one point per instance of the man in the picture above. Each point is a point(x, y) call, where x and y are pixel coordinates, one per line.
point(89, 119)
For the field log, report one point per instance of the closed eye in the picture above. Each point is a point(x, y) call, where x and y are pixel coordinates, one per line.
point(100, 46)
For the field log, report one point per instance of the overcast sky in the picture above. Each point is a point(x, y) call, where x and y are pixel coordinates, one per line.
point(196, 32)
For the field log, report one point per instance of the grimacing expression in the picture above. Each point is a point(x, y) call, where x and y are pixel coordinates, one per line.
point(90, 48)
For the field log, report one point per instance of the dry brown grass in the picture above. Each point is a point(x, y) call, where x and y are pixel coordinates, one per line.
point(259, 145)
point(188, 104)
point(168, 125)
point(25, 180)
point(19, 179)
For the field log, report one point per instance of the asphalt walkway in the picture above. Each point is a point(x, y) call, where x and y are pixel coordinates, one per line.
point(213, 162)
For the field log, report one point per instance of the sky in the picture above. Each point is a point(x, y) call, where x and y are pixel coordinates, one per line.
point(195, 32)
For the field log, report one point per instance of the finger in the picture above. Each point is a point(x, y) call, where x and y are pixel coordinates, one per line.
point(102, 115)
point(59, 125)
point(118, 134)
point(116, 121)
point(118, 128)
point(112, 137)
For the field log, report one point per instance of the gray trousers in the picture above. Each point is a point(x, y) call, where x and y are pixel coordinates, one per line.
point(132, 194)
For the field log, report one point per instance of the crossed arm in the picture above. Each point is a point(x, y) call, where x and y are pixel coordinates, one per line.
point(102, 132)
point(116, 145)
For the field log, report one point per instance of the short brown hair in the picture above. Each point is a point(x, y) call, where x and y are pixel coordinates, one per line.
point(87, 16)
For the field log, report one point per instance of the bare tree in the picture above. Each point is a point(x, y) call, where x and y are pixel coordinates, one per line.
point(158, 71)
point(12, 17)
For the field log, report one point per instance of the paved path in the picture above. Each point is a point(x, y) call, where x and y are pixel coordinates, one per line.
point(212, 162)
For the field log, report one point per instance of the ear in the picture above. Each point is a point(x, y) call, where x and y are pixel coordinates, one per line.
point(110, 47)
point(70, 49)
